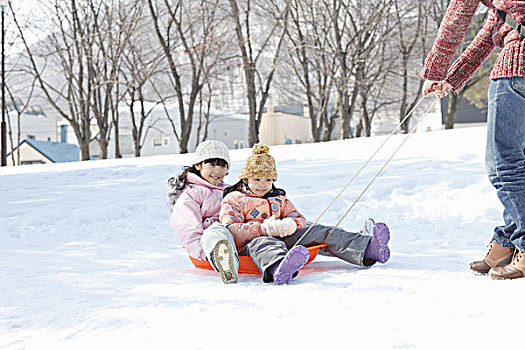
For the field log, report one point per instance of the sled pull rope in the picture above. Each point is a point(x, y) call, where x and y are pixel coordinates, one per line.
point(380, 170)
point(361, 169)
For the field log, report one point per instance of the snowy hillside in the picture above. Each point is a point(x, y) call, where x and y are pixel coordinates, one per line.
point(88, 260)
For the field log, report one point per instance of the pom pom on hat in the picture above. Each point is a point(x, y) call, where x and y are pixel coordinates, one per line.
point(259, 164)
point(210, 149)
point(260, 148)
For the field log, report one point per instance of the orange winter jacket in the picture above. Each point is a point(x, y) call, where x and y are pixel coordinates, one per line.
point(243, 213)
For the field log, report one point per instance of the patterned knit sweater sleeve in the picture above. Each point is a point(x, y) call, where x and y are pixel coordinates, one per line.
point(451, 32)
point(476, 53)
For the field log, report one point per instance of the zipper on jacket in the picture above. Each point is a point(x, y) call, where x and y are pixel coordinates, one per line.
point(269, 206)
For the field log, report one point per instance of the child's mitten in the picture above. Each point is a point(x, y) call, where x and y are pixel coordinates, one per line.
point(286, 227)
point(279, 228)
point(268, 226)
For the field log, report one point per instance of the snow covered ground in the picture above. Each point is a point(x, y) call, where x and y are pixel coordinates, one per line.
point(88, 260)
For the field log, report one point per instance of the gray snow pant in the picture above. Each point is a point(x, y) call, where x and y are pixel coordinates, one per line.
point(348, 246)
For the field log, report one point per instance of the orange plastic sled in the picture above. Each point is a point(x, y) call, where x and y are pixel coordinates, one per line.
point(247, 265)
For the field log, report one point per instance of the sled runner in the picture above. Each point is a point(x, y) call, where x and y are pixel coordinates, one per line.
point(246, 263)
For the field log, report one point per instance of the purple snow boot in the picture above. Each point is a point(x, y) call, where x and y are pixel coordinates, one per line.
point(293, 261)
point(377, 248)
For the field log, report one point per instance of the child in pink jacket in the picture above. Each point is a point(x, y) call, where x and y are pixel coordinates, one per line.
point(266, 225)
point(195, 197)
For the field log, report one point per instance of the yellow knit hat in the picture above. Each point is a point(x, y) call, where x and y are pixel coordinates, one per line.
point(259, 164)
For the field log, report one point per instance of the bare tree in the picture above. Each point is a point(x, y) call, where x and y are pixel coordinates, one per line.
point(205, 101)
point(219, 62)
point(412, 24)
point(373, 87)
point(455, 98)
point(258, 75)
point(340, 13)
point(188, 38)
point(135, 93)
point(313, 63)
point(140, 62)
point(77, 64)
point(66, 88)
point(436, 11)
point(359, 28)
point(113, 23)
point(19, 107)
point(20, 89)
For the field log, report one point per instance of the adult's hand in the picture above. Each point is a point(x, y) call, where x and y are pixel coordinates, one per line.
point(438, 88)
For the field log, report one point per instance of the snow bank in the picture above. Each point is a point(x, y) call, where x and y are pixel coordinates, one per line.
point(89, 261)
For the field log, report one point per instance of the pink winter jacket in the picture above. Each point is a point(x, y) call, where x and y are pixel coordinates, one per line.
point(195, 210)
point(243, 213)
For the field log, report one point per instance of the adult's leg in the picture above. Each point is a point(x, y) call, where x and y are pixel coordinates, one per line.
point(505, 156)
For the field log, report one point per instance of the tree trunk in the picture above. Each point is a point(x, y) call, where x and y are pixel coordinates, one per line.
point(117, 138)
point(404, 93)
point(84, 149)
point(359, 128)
point(103, 143)
point(353, 102)
point(453, 105)
point(365, 119)
point(359, 77)
point(345, 114)
point(115, 119)
point(343, 87)
point(329, 127)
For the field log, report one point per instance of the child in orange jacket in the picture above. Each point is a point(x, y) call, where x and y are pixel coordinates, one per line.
point(265, 225)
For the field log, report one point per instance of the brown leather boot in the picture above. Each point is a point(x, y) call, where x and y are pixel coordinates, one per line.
point(516, 269)
point(497, 256)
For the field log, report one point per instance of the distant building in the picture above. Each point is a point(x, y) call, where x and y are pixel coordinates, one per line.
point(34, 125)
point(158, 137)
point(291, 124)
point(232, 129)
point(43, 152)
point(282, 125)
point(468, 114)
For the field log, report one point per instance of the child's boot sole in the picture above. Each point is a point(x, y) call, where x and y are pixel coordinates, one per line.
point(292, 262)
point(224, 261)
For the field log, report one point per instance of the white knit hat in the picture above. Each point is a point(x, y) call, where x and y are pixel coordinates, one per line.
point(211, 149)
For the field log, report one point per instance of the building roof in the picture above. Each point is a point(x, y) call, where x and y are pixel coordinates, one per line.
point(296, 110)
point(57, 152)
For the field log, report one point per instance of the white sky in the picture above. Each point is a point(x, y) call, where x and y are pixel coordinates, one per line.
point(26, 11)
point(24, 6)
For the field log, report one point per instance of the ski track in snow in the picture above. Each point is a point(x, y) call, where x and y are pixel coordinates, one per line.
point(89, 260)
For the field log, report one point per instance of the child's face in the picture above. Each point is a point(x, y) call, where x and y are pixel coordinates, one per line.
point(260, 185)
point(212, 172)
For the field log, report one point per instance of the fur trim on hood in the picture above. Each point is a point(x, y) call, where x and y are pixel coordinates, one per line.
point(175, 188)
